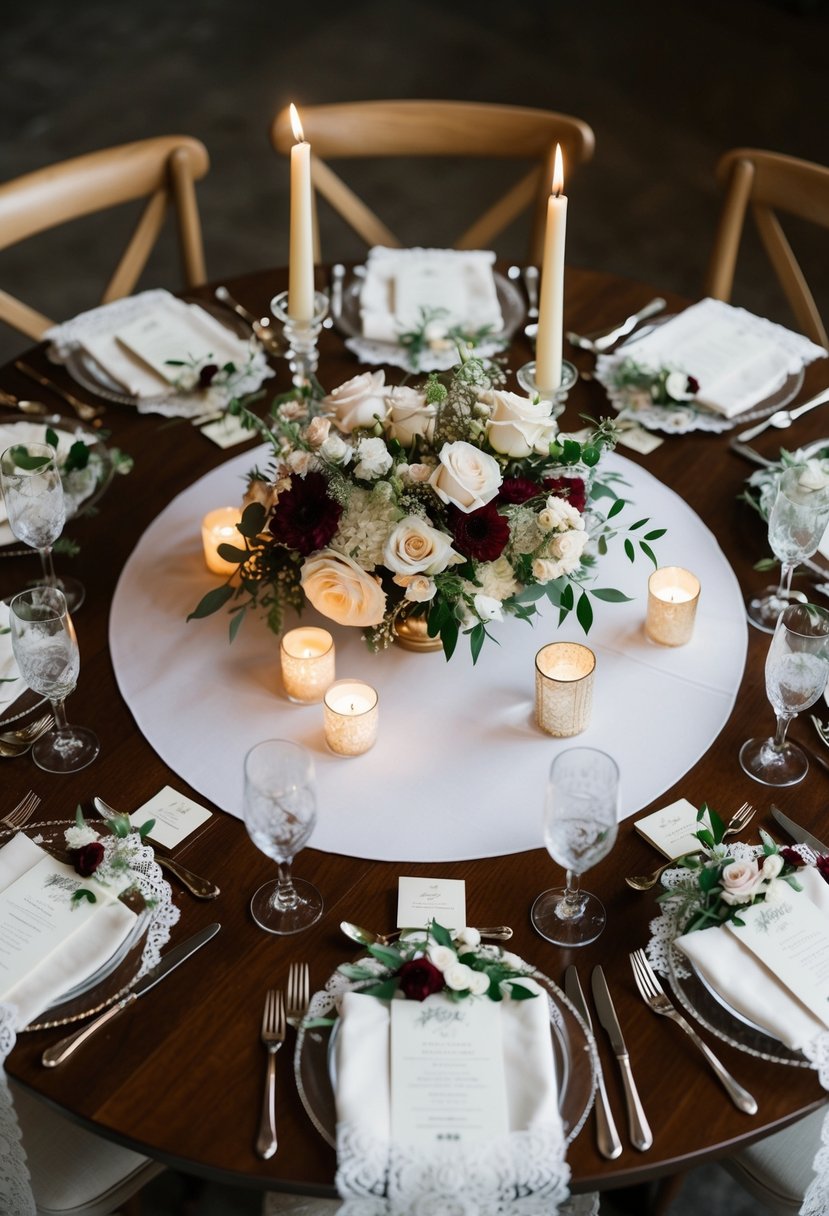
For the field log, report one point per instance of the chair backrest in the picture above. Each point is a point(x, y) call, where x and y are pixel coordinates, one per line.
point(766, 182)
point(439, 128)
point(162, 170)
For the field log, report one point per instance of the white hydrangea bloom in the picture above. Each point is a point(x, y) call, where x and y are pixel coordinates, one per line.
point(364, 527)
point(77, 838)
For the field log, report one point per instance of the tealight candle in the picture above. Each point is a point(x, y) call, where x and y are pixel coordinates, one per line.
point(219, 528)
point(564, 688)
point(350, 717)
point(673, 594)
point(307, 657)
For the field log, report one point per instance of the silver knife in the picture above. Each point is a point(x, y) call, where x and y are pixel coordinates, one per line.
point(797, 833)
point(641, 1136)
point(172, 959)
point(607, 1137)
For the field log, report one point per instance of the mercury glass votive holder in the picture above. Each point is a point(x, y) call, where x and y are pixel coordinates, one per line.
point(350, 716)
point(564, 688)
point(673, 595)
point(307, 656)
point(301, 336)
point(558, 395)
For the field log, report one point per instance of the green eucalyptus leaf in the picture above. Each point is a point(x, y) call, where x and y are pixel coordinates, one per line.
point(610, 595)
point(584, 612)
point(439, 934)
point(617, 506)
point(252, 521)
point(212, 602)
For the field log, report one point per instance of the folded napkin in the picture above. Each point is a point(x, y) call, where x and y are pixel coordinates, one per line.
point(401, 283)
point(82, 951)
point(11, 685)
point(738, 359)
point(529, 1160)
point(749, 987)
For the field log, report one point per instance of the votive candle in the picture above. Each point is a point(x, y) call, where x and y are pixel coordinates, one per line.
point(673, 595)
point(307, 656)
point(564, 688)
point(350, 716)
point(219, 528)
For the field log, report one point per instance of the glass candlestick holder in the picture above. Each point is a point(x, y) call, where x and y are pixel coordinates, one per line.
point(301, 336)
point(569, 375)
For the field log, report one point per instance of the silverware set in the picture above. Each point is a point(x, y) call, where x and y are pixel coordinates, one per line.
point(739, 820)
point(600, 342)
point(22, 813)
point(279, 1013)
point(366, 937)
point(14, 743)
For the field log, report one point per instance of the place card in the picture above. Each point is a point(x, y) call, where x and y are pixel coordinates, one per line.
point(640, 440)
point(447, 1072)
point(226, 432)
point(176, 817)
point(791, 938)
point(420, 900)
point(671, 830)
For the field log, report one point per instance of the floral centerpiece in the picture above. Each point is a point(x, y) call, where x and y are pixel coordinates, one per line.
point(453, 503)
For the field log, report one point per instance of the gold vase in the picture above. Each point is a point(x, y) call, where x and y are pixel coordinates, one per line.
point(412, 634)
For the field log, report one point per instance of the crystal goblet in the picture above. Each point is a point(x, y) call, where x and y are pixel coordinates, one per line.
point(280, 808)
point(581, 810)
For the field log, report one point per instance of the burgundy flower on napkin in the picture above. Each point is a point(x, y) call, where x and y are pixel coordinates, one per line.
point(87, 859)
point(419, 978)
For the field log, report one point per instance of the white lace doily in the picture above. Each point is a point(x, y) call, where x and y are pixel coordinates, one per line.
point(375, 353)
point(663, 956)
point(16, 1197)
point(66, 340)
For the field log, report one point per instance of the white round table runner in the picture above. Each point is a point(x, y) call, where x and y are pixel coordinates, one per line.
point(459, 767)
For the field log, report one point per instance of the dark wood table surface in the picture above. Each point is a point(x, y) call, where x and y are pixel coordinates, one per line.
point(179, 1076)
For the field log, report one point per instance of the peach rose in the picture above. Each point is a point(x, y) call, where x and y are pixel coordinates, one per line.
point(466, 477)
point(409, 415)
point(415, 547)
point(342, 590)
point(359, 402)
point(741, 882)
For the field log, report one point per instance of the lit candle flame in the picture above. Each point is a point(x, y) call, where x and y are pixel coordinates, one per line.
point(296, 125)
point(558, 173)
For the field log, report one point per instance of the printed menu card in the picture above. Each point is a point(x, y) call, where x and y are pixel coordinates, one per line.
point(447, 1072)
point(420, 900)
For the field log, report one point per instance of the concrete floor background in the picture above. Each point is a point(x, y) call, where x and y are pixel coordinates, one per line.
point(668, 86)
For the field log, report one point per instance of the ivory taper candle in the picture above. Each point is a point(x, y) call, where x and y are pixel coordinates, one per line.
point(301, 257)
point(551, 301)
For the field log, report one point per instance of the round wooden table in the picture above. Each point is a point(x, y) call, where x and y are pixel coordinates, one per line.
point(179, 1076)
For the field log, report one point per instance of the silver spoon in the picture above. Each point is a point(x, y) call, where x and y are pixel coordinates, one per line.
point(35, 408)
point(365, 937)
point(202, 888)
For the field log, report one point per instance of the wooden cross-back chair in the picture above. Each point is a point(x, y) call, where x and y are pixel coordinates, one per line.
point(767, 182)
point(163, 170)
point(439, 128)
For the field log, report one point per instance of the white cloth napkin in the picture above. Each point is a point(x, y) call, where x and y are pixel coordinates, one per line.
point(400, 283)
point(9, 692)
point(80, 955)
point(737, 974)
point(738, 359)
point(532, 1155)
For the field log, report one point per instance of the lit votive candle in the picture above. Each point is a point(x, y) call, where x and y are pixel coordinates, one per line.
point(564, 688)
point(350, 717)
point(219, 528)
point(673, 595)
point(307, 664)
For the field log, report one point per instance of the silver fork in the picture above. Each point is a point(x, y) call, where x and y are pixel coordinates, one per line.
point(740, 819)
point(273, 1036)
point(653, 995)
point(299, 993)
point(23, 812)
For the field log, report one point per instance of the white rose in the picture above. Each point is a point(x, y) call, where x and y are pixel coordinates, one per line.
point(468, 937)
point(342, 590)
point(317, 431)
point(546, 571)
point(568, 547)
point(420, 589)
point(413, 474)
point(414, 547)
point(559, 515)
point(77, 838)
point(814, 476)
point(335, 450)
point(409, 415)
point(487, 608)
point(373, 459)
point(466, 477)
point(442, 956)
point(772, 865)
point(518, 426)
point(359, 402)
point(512, 960)
point(676, 386)
point(459, 977)
point(478, 983)
point(497, 579)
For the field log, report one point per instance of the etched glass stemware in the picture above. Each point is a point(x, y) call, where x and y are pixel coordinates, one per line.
point(280, 808)
point(46, 650)
point(581, 810)
point(797, 667)
point(798, 518)
point(36, 507)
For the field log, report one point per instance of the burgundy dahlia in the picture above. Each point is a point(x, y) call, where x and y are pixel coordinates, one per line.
point(304, 517)
point(791, 856)
point(87, 859)
point(481, 534)
point(693, 385)
point(207, 374)
point(571, 488)
point(515, 490)
point(419, 978)
point(822, 864)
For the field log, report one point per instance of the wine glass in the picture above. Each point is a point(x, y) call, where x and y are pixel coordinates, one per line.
point(798, 519)
point(797, 667)
point(280, 807)
point(35, 504)
point(46, 650)
point(580, 817)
